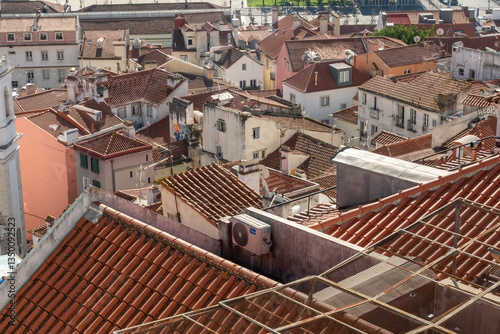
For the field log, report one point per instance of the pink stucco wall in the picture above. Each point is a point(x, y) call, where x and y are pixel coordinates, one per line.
point(47, 172)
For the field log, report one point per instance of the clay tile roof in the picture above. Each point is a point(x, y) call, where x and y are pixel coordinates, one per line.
point(315, 215)
point(53, 124)
point(483, 129)
point(39, 231)
point(372, 222)
point(386, 138)
point(283, 184)
point(213, 191)
point(120, 272)
point(299, 123)
point(49, 24)
point(412, 17)
point(111, 145)
point(228, 57)
point(148, 86)
point(408, 149)
point(348, 115)
point(90, 50)
point(318, 163)
point(476, 101)
point(157, 56)
point(29, 7)
point(411, 54)
point(42, 100)
point(159, 133)
point(306, 81)
point(419, 89)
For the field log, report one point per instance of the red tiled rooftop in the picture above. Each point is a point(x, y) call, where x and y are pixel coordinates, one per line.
point(284, 184)
point(155, 56)
point(372, 222)
point(213, 191)
point(386, 138)
point(476, 101)
point(42, 100)
point(411, 54)
point(111, 145)
point(349, 115)
point(89, 47)
point(483, 129)
point(121, 272)
point(408, 149)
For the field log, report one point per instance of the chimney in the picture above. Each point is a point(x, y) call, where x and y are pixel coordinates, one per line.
point(274, 15)
point(285, 160)
point(323, 22)
point(248, 172)
point(129, 129)
point(296, 23)
point(185, 4)
point(208, 72)
point(217, 55)
point(236, 24)
point(30, 89)
point(179, 21)
point(35, 20)
point(336, 24)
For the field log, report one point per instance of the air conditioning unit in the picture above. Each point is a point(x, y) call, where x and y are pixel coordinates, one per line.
point(251, 234)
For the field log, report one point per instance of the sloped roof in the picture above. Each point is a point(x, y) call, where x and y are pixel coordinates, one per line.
point(411, 54)
point(48, 24)
point(149, 6)
point(349, 115)
point(213, 191)
point(120, 272)
point(408, 149)
point(111, 145)
point(319, 153)
point(372, 222)
point(284, 184)
point(318, 77)
point(159, 133)
point(157, 56)
point(478, 42)
point(386, 138)
point(53, 124)
point(412, 17)
point(29, 7)
point(476, 101)
point(42, 100)
point(89, 47)
point(230, 56)
point(483, 129)
point(418, 89)
point(148, 86)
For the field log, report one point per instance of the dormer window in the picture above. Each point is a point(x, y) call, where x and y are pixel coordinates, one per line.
point(190, 41)
point(59, 35)
point(27, 36)
point(11, 37)
point(343, 77)
point(43, 36)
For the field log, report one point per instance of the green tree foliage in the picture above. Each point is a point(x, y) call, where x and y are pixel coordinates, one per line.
point(405, 33)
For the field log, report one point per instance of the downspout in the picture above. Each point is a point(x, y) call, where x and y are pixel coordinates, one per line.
point(113, 176)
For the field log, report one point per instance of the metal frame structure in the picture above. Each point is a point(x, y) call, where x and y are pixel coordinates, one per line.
point(374, 291)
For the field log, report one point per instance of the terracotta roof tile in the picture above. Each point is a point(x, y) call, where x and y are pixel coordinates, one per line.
point(284, 184)
point(125, 301)
point(49, 24)
point(213, 191)
point(89, 47)
point(476, 183)
point(408, 149)
point(228, 57)
point(40, 101)
point(386, 138)
point(476, 101)
point(111, 145)
point(483, 129)
point(412, 54)
point(414, 88)
point(155, 56)
point(412, 17)
point(307, 80)
point(349, 115)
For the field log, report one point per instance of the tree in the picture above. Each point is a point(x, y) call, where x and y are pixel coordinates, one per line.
point(405, 33)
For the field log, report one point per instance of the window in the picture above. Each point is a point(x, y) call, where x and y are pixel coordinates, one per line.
point(59, 35)
point(255, 155)
point(185, 58)
point(122, 113)
point(45, 55)
point(400, 118)
point(86, 183)
point(426, 120)
point(27, 36)
point(472, 74)
point(292, 97)
point(131, 174)
point(253, 83)
point(46, 74)
point(94, 165)
point(243, 67)
point(381, 73)
point(243, 84)
point(221, 125)
point(343, 77)
point(11, 37)
point(412, 122)
point(363, 129)
point(374, 129)
point(149, 180)
point(84, 162)
point(147, 157)
point(219, 151)
point(263, 154)
point(343, 106)
point(15, 84)
point(136, 109)
point(190, 41)
point(30, 75)
point(60, 55)
point(408, 71)
point(267, 63)
point(325, 101)
point(96, 183)
point(461, 71)
point(375, 103)
point(363, 97)
point(255, 133)
point(150, 110)
point(43, 36)
point(61, 74)
point(434, 122)
point(29, 56)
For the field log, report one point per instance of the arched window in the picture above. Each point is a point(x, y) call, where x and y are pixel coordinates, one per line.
point(6, 98)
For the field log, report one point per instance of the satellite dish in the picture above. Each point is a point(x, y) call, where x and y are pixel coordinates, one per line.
point(240, 234)
point(416, 39)
point(440, 31)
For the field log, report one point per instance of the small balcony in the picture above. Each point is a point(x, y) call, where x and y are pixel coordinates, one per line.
point(412, 126)
point(400, 122)
point(374, 113)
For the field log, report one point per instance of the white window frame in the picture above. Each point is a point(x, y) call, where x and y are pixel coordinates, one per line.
point(27, 34)
point(244, 67)
point(343, 77)
point(63, 76)
point(136, 109)
point(408, 71)
point(45, 55)
point(185, 58)
point(221, 125)
point(363, 98)
point(46, 74)
point(58, 33)
point(30, 75)
point(218, 152)
point(13, 35)
point(292, 97)
point(43, 34)
point(255, 155)
point(149, 110)
point(256, 133)
point(343, 106)
point(434, 122)
point(29, 55)
point(426, 120)
point(324, 101)
point(243, 84)
point(60, 55)
point(86, 183)
point(121, 112)
point(253, 83)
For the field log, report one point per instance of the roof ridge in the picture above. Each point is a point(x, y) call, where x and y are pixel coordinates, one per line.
point(410, 192)
point(187, 248)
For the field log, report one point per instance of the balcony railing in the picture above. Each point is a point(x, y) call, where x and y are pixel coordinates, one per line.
point(374, 113)
point(412, 126)
point(400, 122)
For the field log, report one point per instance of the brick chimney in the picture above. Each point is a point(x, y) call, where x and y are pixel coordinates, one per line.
point(179, 21)
point(274, 15)
point(323, 22)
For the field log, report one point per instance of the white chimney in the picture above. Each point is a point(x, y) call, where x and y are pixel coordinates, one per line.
point(236, 24)
point(208, 72)
point(285, 160)
point(129, 129)
point(248, 172)
point(217, 55)
point(69, 136)
point(296, 23)
point(323, 23)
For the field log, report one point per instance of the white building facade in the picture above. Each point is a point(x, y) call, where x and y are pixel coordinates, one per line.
point(474, 64)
